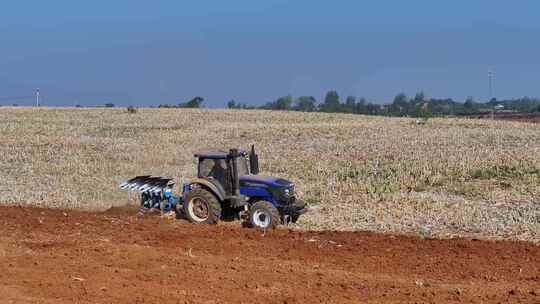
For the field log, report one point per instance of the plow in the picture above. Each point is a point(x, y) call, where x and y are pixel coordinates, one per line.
point(228, 186)
point(155, 192)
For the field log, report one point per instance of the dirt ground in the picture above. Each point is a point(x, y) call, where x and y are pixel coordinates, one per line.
point(54, 256)
point(521, 117)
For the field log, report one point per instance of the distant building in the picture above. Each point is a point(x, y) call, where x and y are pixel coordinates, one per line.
point(498, 107)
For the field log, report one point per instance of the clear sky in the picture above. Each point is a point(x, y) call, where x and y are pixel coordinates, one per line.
point(151, 52)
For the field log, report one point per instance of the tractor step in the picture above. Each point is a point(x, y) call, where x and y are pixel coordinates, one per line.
point(238, 201)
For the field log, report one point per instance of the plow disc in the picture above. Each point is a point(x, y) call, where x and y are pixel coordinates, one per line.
point(148, 184)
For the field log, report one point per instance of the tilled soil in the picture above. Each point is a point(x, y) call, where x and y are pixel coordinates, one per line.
point(54, 256)
point(521, 117)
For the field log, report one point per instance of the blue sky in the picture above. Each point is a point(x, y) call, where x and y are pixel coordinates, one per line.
point(151, 52)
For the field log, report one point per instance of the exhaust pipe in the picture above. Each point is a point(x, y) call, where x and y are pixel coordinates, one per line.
point(235, 182)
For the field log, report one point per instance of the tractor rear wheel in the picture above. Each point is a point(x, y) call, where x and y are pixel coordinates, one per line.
point(263, 215)
point(202, 207)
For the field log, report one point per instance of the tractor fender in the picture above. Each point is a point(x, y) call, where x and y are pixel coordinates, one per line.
point(217, 190)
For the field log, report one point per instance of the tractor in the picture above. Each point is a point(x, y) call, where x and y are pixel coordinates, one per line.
point(227, 187)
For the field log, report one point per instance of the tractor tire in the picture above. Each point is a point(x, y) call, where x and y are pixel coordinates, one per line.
point(293, 219)
point(179, 210)
point(263, 215)
point(202, 207)
point(144, 205)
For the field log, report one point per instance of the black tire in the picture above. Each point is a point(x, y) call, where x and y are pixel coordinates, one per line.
point(263, 215)
point(202, 207)
point(179, 210)
point(293, 219)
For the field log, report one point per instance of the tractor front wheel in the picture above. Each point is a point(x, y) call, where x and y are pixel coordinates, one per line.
point(202, 207)
point(263, 215)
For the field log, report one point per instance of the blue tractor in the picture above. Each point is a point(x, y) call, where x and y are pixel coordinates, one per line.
point(227, 187)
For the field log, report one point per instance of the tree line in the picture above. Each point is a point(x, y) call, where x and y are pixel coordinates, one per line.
point(402, 105)
point(195, 102)
point(417, 106)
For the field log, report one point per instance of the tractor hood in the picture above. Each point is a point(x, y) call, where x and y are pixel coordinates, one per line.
point(270, 181)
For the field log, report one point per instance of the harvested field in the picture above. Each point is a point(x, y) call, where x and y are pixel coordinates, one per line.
point(53, 256)
point(448, 178)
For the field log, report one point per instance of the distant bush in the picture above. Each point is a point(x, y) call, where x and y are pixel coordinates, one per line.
point(166, 106)
point(131, 110)
point(109, 105)
point(196, 102)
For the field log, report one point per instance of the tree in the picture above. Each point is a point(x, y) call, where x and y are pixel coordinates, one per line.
point(109, 105)
point(360, 107)
point(418, 105)
point(399, 105)
point(283, 103)
point(443, 106)
point(232, 104)
point(350, 104)
point(196, 102)
point(419, 97)
point(166, 106)
point(469, 103)
point(372, 108)
point(305, 104)
point(331, 102)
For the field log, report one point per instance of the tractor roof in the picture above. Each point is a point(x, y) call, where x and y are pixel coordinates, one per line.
point(217, 154)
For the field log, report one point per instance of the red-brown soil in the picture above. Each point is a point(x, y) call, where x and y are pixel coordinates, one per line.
point(53, 256)
point(521, 117)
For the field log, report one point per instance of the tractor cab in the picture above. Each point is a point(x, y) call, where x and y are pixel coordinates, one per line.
point(224, 170)
point(219, 165)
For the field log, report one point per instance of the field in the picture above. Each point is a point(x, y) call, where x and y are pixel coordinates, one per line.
point(59, 257)
point(415, 200)
point(448, 178)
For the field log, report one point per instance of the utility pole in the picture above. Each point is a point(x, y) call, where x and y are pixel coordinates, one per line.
point(37, 97)
point(491, 74)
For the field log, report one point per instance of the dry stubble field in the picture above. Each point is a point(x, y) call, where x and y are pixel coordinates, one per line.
point(450, 177)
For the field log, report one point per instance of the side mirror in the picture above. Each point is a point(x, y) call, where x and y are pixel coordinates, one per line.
point(253, 161)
